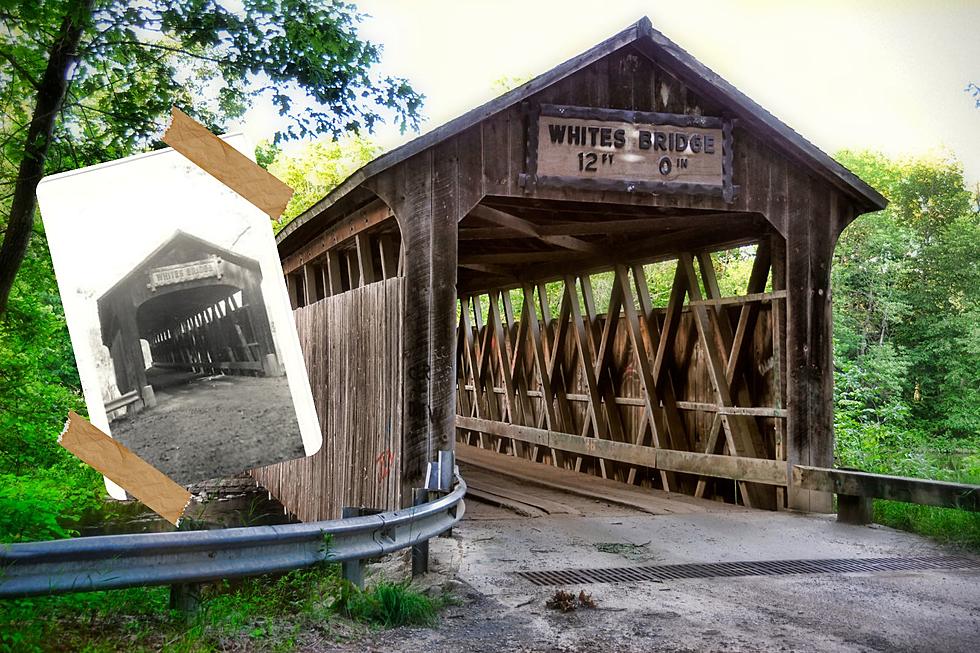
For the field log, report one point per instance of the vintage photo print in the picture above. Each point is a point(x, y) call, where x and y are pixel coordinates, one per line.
point(179, 317)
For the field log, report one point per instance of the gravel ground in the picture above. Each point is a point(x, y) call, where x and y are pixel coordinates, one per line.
point(933, 610)
point(215, 426)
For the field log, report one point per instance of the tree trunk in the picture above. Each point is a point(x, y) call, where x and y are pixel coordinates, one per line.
point(50, 95)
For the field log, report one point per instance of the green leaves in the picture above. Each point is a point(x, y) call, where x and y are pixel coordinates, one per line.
point(318, 168)
point(906, 284)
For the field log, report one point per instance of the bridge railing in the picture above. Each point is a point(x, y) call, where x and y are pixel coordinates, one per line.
point(185, 558)
point(856, 489)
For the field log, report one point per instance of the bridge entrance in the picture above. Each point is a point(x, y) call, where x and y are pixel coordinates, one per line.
point(557, 254)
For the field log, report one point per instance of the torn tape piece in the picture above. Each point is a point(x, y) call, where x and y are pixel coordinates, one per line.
point(226, 164)
point(141, 479)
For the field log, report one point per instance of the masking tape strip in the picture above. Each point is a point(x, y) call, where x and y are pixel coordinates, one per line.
point(141, 479)
point(226, 164)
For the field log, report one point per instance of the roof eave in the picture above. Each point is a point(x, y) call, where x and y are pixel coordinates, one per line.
point(468, 119)
point(642, 33)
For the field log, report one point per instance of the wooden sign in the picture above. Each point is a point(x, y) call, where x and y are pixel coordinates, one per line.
point(171, 274)
point(609, 149)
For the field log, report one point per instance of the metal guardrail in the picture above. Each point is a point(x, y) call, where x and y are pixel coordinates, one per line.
point(117, 561)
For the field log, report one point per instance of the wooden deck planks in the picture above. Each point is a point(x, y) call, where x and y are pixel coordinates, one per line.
point(655, 502)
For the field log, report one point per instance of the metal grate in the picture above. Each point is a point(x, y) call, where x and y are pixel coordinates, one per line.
point(659, 573)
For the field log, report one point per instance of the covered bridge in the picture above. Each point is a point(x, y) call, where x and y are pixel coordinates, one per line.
point(197, 305)
point(448, 293)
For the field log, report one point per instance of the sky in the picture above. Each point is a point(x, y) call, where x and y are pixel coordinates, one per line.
point(886, 75)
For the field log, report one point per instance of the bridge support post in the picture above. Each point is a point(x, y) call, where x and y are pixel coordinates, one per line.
point(854, 509)
point(149, 397)
point(815, 221)
point(428, 200)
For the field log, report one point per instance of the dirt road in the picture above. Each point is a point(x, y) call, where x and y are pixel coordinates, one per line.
point(917, 610)
point(213, 427)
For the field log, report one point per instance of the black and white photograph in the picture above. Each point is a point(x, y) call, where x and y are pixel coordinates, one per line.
point(179, 316)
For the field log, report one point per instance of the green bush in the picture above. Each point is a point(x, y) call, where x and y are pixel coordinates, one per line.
point(389, 604)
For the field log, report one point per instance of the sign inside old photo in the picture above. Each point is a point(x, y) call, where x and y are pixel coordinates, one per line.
point(177, 309)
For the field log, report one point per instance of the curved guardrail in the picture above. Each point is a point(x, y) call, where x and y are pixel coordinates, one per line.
point(118, 561)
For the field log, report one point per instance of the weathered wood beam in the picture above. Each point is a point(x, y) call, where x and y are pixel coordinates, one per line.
point(486, 268)
point(602, 346)
point(364, 218)
point(503, 359)
point(516, 257)
point(894, 488)
point(610, 227)
point(541, 364)
point(735, 343)
point(652, 392)
point(742, 432)
point(642, 250)
point(309, 283)
point(528, 228)
point(754, 470)
point(700, 406)
point(332, 266)
point(365, 258)
point(753, 297)
point(389, 246)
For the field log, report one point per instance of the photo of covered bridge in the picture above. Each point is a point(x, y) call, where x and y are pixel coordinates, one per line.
point(192, 351)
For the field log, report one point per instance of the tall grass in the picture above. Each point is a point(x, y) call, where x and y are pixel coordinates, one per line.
point(269, 612)
point(888, 450)
point(390, 605)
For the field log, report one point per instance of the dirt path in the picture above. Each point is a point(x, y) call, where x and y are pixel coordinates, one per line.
point(217, 426)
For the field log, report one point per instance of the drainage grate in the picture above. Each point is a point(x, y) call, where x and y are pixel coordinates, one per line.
point(658, 573)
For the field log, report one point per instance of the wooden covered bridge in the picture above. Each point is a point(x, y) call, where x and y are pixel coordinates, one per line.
point(199, 308)
point(488, 285)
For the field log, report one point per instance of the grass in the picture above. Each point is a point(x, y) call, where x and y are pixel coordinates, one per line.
point(915, 455)
point(265, 613)
point(390, 605)
point(948, 525)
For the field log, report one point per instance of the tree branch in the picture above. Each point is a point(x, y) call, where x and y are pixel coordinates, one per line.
point(20, 69)
point(159, 46)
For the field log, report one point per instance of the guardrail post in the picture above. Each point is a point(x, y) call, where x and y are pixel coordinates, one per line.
point(447, 472)
point(185, 597)
point(854, 509)
point(353, 570)
point(420, 550)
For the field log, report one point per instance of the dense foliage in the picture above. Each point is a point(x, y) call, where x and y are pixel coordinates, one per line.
point(906, 286)
point(135, 59)
point(85, 81)
point(42, 486)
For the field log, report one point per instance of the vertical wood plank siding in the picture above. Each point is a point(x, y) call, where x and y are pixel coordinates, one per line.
point(351, 344)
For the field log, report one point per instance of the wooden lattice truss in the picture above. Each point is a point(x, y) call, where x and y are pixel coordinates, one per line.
point(638, 393)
